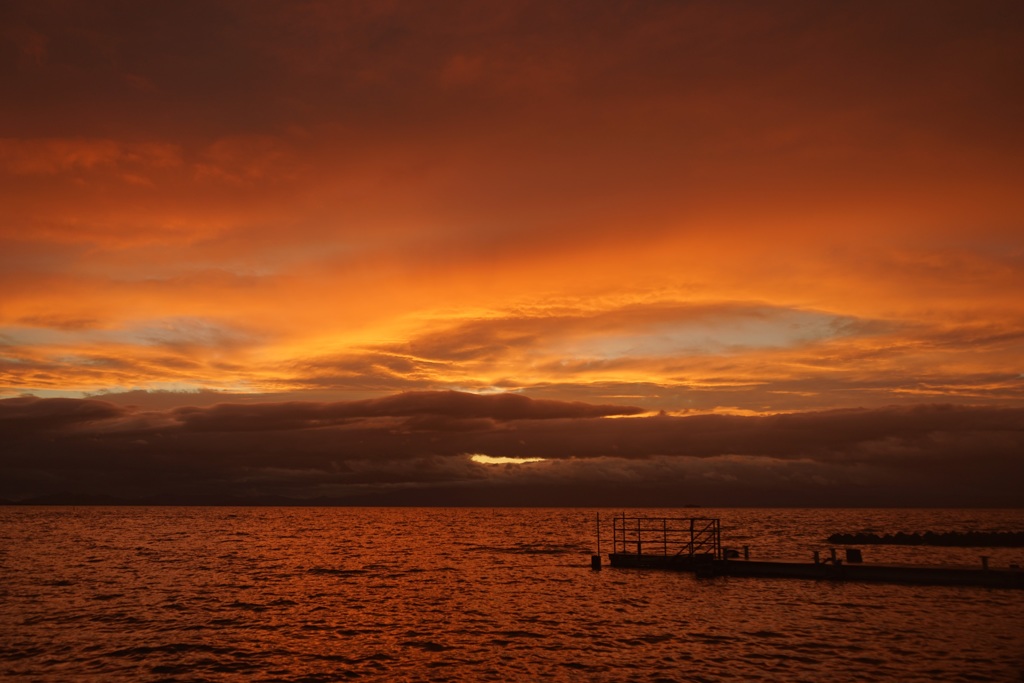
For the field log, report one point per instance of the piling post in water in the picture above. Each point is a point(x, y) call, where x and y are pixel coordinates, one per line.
point(984, 563)
point(832, 552)
point(746, 552)
point(817, 557)
point(595, 560)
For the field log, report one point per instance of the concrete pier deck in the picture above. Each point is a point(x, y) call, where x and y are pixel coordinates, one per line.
point(693, 544)
point(707, 566)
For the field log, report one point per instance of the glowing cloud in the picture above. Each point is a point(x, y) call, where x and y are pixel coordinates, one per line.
point(711, 209)
point(502, 460)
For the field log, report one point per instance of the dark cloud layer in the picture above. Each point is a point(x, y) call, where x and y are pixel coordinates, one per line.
point(415, 448)
point(442, 405)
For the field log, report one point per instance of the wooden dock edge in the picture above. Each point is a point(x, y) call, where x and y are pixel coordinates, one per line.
point(826, 571)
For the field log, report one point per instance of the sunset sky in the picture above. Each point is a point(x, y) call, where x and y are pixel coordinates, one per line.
point(684, 252)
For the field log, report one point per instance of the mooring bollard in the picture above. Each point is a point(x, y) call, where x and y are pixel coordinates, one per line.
point(595, 561)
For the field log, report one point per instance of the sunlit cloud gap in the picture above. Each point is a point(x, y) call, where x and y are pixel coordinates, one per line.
point(502, 460)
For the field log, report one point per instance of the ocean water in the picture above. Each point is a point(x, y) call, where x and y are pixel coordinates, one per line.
point(401, 594)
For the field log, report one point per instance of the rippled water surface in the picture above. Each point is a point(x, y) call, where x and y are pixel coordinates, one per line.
point(334, 594)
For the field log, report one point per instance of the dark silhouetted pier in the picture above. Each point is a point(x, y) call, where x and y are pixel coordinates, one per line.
point(693, 544)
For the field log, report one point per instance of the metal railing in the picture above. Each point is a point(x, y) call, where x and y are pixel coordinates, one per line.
point(676, 537)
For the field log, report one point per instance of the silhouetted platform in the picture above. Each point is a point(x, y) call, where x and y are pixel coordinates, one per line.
point(822, 571)
point(694, 545)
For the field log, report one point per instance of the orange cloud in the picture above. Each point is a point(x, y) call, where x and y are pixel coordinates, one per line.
point(55, 155)
point(711, 209)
